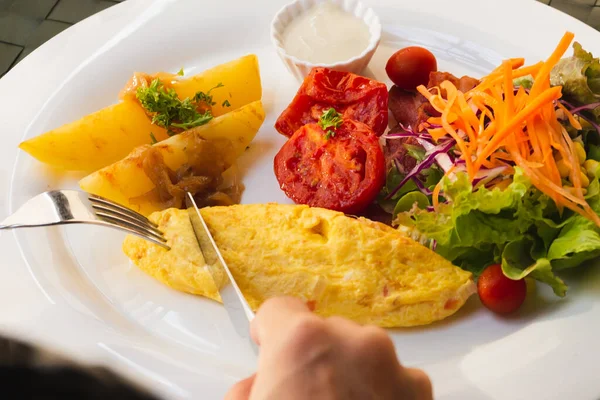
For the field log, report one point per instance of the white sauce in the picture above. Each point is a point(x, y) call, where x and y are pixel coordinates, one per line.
point(326, 34)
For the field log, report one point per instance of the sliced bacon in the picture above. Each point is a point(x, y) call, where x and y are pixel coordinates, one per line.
point(463, 84)
point(405, 105)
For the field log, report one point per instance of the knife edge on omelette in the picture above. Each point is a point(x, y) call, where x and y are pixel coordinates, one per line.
point(354, 268)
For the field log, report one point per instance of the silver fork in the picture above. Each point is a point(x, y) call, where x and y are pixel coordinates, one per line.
point(59, 207)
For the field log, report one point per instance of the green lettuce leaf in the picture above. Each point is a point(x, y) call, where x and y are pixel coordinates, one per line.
point(430, 178)
point(524, 257)
point(579, 76)
point(410, 200)
point(473, 218)
point(415, 151)
point(525, 81)
point(519, 227)
point(393, 179)
point(578, 240)
point(591, 68)
point(593, 152)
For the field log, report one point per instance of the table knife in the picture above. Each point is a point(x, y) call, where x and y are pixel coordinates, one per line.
point(236, 305)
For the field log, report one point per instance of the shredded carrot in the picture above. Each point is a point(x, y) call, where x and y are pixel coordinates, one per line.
point(437, 189)
point(542, 78)
point(574, 123)
point(495, 125)
point(548, 96)
point(497, 77)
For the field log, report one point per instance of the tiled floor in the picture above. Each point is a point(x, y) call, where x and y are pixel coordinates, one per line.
point(26, 24)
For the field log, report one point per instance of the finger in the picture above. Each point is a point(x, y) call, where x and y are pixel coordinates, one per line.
point(241, 390)
point(344, 327)
point(274, 316)
point(420, 383)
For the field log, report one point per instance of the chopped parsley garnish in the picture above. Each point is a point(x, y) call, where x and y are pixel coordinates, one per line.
point(226, 104)
point(180, 72)
point(168, 111)
point(330, 119)
point(207, 97)
point(153, 138)
point(156, 99)
point(201, 120)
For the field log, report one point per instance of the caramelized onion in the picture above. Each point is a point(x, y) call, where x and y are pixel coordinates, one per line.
point(203, 176)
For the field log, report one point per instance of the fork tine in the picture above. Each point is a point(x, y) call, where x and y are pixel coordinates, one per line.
point(105, 210)
point(118, 213)
point(118, 220)
point(135, 231)
point(58, 207)
point(119, 209)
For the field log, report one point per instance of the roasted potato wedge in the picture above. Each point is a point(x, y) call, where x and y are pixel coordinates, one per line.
point(108, 135)
point(125, 181)
point(240, 79)
point(95, 140)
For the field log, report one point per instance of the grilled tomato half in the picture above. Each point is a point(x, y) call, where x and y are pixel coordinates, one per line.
point(339, 167)
point(355, 97)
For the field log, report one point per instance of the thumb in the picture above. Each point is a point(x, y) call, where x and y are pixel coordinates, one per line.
point(420, 384)
point(241, 390)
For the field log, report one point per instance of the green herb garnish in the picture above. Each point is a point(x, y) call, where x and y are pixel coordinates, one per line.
point(330, 119)
point(168, 111)
point(226, 104)
point(207, 97)
point(153, 138)
point(180, 72)
point(162, 102)
point(201, 120)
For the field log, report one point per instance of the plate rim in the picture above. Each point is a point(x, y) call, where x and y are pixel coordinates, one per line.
point(35, 61)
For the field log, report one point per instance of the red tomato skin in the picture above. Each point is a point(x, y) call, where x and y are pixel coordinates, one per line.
point(410, 67)
point(343, 173)
point(499, 293)
point(355, 97)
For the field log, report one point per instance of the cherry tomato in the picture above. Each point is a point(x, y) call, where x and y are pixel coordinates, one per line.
point(342, 172)
point(499, 293)
point(410, 67)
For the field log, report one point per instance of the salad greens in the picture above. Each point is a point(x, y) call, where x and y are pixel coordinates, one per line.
point(515, 224)
point(518, 226)
point(393, 202)
point(579, 75)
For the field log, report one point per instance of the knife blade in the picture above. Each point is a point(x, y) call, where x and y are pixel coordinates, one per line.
point(236, 305)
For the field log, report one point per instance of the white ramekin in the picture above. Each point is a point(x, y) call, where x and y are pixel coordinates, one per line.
point(300, 68)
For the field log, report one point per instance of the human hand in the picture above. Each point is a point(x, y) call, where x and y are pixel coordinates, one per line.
point(303, 356)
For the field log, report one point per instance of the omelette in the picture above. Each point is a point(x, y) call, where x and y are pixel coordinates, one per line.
point(344, 266)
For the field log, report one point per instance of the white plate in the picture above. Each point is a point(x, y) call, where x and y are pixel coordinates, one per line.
point(73, 289)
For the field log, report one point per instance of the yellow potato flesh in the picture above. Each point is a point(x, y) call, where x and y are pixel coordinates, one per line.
point(228, 134)
point(108, 135)
point(96, 140)
point(240, 79)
